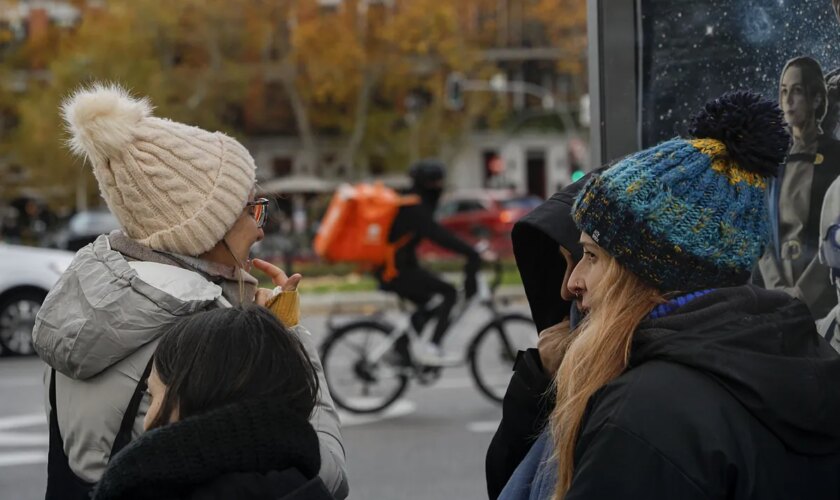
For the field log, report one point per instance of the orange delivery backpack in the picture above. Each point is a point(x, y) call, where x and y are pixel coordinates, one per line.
point(356, 226)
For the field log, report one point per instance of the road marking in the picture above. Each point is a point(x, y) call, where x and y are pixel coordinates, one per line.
point(23, 439)
point(7, 459)
point(485, 426)
point(27, 420)
point(23, 458)
point(399, 409)
point(9, 439)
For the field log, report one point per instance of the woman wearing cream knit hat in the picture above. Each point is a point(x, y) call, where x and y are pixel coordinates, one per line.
point(185, 200)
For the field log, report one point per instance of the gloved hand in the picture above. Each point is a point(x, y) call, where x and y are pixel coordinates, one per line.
point(470, 285)
point(284, 300)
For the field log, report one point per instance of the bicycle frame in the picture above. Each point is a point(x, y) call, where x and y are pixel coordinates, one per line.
point(372, 363)
point(403, 327)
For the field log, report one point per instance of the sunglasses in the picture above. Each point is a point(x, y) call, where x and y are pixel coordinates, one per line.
point(259, 210)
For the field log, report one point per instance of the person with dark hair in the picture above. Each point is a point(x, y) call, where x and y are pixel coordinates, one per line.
point(185, 200)
point(241, 432)
point(791, 262)
point(413, 224)
point(683, 380)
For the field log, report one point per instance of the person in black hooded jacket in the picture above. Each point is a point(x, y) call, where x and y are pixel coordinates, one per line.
point(546, 247)
point(683, 381)
point(231, 393)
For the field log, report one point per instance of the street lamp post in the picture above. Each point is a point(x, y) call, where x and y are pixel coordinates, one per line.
point(457, 85)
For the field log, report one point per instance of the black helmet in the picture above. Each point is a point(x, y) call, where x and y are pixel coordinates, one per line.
point(425, 172)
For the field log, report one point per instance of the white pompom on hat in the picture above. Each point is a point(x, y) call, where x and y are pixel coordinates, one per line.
point(173, 187)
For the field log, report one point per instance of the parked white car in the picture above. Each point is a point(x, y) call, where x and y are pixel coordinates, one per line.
point(26, 275)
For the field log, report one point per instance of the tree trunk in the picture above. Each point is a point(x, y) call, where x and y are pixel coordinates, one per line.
point(304, 126)
point(348, 155)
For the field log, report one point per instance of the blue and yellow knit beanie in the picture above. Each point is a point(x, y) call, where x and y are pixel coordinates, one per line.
point(690, 213)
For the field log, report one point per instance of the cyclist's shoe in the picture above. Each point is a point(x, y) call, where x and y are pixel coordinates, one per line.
point(399, 355)
point(397, 359)
point(434, 355)
point(428, 375)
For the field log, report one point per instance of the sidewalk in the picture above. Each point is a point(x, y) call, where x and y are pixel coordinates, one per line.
point(369, 302)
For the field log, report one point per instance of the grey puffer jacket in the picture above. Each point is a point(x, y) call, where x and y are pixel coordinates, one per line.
point(99, 327)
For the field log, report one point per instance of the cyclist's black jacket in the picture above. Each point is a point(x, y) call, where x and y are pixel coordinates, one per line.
point(418, 220)
point(732, 396)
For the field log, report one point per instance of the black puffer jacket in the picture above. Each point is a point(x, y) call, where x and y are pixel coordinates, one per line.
point(734, 396)
point(253, 450)
point(527, 404)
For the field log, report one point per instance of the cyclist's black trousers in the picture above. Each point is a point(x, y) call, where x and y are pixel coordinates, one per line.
point(419, 286)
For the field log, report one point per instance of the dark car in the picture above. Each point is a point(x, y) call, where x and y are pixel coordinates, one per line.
point(482, 214)
point(83, 228)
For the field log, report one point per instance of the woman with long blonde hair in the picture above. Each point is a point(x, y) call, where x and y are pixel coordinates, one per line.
point(684, 381)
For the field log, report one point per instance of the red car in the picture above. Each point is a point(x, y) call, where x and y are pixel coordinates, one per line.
point(481, 214)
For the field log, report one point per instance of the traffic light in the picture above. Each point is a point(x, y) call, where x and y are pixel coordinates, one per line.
point(454, 91)
point(577, 175)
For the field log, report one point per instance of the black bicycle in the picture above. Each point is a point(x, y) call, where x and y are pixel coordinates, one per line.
point(366, 373)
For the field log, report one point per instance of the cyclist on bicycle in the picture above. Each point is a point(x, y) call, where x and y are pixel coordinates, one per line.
point(414, 282)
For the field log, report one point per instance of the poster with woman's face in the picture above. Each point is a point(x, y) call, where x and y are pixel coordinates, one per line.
point(695, 50)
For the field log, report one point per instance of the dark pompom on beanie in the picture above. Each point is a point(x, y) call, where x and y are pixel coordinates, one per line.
point(690, 213)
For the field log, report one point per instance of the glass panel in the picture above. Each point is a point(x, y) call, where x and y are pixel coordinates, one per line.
point(693, 50)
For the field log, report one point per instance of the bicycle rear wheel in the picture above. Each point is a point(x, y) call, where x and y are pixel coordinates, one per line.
point(493, 351)
point(356, 383)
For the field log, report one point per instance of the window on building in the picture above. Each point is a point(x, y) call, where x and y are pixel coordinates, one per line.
point(536, 172)
point(376, 165)
point(329, 6)
point(281, 166)
point(493, 165)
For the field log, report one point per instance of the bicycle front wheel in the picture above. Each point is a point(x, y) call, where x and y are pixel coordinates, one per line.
point(493, 351)
point(357, 383)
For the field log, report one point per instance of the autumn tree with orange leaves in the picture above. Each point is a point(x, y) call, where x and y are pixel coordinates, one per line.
point(360, 80)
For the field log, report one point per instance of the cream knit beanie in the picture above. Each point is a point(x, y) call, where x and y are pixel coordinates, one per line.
point(173, 187)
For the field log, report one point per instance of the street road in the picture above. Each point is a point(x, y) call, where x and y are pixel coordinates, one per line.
point(430, 445)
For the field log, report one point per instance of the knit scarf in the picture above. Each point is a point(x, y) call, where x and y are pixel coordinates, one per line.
point(254, 436)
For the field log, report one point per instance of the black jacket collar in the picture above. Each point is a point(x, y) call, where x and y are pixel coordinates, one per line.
point(255, 436)
point(763, 348)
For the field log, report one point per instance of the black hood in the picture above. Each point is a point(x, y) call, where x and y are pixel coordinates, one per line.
point(763, 348)
point(536, 238)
